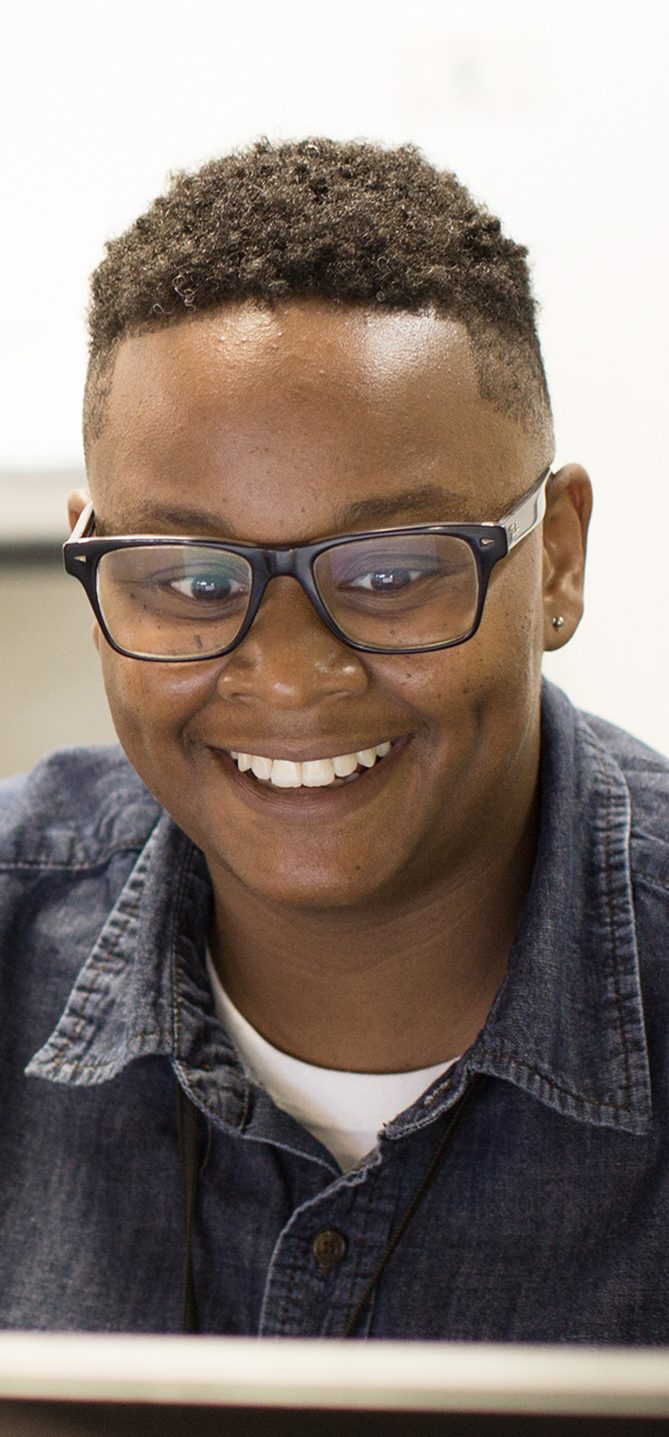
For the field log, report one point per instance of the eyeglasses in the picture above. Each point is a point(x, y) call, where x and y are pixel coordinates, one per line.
point(388, 591)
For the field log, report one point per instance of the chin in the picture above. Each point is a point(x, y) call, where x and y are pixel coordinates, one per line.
point(304, 889)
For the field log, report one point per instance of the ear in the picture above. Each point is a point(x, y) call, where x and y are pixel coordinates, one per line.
point(565, 533)
point(76, 503)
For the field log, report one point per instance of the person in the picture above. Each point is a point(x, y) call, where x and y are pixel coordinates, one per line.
point(335, 998)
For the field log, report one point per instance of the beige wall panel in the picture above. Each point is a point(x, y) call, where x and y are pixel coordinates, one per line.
point(51, 692)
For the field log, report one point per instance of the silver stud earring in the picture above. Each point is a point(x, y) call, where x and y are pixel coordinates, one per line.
point(558, 622)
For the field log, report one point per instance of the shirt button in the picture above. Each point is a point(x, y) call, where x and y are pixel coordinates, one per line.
point(328, 1247)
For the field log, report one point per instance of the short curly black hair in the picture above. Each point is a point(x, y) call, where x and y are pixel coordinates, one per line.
point(350, 222)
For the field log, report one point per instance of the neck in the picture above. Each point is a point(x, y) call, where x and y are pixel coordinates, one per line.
point(405, 983)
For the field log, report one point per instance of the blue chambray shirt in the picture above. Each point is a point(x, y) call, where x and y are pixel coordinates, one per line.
point(547, 1220)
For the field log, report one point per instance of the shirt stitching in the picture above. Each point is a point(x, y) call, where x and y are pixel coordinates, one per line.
point(495, 1050)
point(177, 1006)
point(80, 1065)
point(90, 866)
point(612, 927)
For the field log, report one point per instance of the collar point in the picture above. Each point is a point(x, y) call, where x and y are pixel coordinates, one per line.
point(53, 1065)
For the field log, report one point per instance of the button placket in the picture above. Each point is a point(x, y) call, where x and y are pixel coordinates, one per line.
point(319, 1266)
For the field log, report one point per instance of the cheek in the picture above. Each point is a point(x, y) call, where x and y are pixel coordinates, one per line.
point(128, 693)
point(505, 681)
point(149, 705)
point(484, 694)
point(516, 617)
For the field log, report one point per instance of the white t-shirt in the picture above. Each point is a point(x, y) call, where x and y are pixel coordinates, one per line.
point(345, 1111)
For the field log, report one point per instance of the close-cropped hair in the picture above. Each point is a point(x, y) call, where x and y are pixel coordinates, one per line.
point(354, 223)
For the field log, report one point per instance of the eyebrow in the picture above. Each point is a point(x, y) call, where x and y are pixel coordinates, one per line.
point(431, 504)
point(177, 520)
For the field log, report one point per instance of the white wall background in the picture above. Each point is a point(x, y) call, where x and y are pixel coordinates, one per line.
point(555, 113)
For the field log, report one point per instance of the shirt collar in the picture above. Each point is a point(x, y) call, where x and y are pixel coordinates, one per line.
point(143, 989)
point(566, 1026)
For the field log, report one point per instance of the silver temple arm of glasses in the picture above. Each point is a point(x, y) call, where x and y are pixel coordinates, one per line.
point(79, 530)
point(527, 514)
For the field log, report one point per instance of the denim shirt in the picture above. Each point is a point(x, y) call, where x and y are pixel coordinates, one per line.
point(547, 1219)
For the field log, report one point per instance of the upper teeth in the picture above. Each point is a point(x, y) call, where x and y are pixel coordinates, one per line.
point(313, 772)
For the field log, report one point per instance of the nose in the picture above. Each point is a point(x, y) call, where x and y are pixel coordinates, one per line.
point(289, 658)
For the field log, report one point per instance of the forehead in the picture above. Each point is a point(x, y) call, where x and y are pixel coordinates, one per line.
point(297, 408)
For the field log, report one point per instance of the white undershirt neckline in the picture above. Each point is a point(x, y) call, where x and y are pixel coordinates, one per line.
point(345, 1111)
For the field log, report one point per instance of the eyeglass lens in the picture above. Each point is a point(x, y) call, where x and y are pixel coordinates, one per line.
point(186, 601)
point(173, 602)
point(401, 591)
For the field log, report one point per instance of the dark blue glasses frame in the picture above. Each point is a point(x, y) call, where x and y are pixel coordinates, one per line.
point(489, 542)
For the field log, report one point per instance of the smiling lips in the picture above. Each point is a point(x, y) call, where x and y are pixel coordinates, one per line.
point(312, 773)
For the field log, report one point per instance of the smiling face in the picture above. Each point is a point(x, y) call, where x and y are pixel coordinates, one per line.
point(283, 426)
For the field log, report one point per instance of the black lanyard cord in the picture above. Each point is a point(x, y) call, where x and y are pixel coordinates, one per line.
point(187, 1140)
point(456, 1115)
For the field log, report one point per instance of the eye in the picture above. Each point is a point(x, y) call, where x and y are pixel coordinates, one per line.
point(204, 587)
point(387, 580)
point(183, 582)
point(386, 573)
